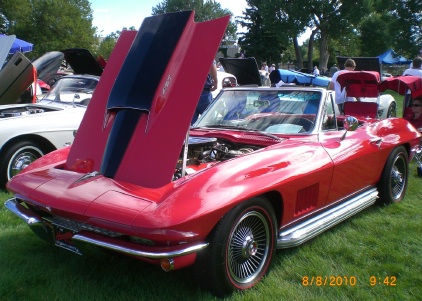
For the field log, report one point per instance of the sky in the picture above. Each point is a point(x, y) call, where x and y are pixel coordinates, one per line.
point(112, 15)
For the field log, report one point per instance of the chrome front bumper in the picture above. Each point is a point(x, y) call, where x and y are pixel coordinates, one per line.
point(44, 229)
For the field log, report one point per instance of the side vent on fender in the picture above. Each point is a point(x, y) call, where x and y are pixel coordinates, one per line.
point(306, 199)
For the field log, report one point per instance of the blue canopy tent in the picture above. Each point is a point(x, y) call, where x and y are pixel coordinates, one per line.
point(18, 45)
point(390, 57)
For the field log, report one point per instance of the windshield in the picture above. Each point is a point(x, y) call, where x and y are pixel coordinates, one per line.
point(272, 111)
point(72, 90)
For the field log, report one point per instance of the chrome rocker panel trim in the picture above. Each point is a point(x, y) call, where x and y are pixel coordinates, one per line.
point(310, 228)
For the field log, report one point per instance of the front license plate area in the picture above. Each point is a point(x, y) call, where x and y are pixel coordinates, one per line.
point(63, 239)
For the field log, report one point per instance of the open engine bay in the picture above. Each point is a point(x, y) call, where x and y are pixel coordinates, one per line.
point(24, 110)
point(202, 152)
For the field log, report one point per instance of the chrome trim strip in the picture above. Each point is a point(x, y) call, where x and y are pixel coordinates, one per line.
point(310, 228)
point(23, 213)
point(138, 253)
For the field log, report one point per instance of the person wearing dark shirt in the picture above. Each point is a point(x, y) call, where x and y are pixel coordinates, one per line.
point(416, 118)
point(206, 96)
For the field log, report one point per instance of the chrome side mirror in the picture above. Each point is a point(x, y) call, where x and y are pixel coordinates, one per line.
point(350, 123)
point(76, 96)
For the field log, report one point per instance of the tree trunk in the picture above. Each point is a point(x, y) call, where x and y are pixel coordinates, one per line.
point(299, 59)
point(311, 50)
point(324, 55)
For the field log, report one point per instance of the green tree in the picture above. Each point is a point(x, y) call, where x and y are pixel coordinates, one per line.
point(327, 20)
point(106, 45)
point(331, 20)
point(264, 39)
point(204, 10)
point(50, 24)
point(373, 28)
point(393, 24)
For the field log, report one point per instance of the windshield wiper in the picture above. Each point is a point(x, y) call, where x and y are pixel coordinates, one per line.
point(268, 135)
point(223, 126)
point(241, 128)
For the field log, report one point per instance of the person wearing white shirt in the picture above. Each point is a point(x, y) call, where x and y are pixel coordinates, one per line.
point(340, 94)
point(415, 70)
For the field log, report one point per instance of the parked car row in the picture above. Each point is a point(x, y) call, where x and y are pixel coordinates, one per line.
point(31, 129)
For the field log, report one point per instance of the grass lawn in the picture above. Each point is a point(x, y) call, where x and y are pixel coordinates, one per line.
point(375, 255)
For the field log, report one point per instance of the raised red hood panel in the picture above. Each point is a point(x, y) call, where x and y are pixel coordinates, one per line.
point(87, 149)
point(152, 101)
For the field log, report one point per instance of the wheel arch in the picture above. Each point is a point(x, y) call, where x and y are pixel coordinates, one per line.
point(275, 200)
point(45, 145)
point(407, 148)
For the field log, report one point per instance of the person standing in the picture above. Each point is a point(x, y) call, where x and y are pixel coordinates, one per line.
point(415, 70)
point(340, 94)
point(333, 70)
point(316, 71)
point(264, 66)
point(419, 55)
point(206, 96)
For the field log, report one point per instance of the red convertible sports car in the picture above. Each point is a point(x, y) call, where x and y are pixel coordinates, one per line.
point(262, 169)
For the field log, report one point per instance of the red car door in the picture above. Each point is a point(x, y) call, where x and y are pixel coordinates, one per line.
point(356, 155)
point(357, 160)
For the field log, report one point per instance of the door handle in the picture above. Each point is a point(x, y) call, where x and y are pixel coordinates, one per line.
point(377, 142)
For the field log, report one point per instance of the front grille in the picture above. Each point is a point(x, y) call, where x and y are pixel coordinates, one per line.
point(78, 226)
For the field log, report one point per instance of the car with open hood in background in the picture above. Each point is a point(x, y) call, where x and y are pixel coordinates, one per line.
point(263, 168)
point(30, 128)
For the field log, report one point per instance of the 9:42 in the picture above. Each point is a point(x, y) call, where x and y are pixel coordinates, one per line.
point(386, 281)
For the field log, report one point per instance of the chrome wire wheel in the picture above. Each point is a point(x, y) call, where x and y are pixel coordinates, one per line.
point(398, 177)
point(21, 158)
point(248, 247)
point(241, 248)
point(394, 178)
point(392, 111)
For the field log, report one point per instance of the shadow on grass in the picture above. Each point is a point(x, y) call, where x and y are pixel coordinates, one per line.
point(34, 270)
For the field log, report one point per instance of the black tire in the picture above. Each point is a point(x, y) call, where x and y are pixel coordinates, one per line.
point(241, 248)
point(394, 177)
point(392, 110)
point(16, 158)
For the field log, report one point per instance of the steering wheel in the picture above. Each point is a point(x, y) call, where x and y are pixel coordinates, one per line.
point(85, 102)
point(304, 122)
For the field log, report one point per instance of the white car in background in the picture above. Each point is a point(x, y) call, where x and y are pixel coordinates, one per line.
point(224, 80)
point(28, 130)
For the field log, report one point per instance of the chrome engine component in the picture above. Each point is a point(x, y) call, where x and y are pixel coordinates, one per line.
point(206, 150)
point(20, 111)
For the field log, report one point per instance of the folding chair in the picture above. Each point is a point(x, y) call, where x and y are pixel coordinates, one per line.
point(360, 84)
point(361, 109)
